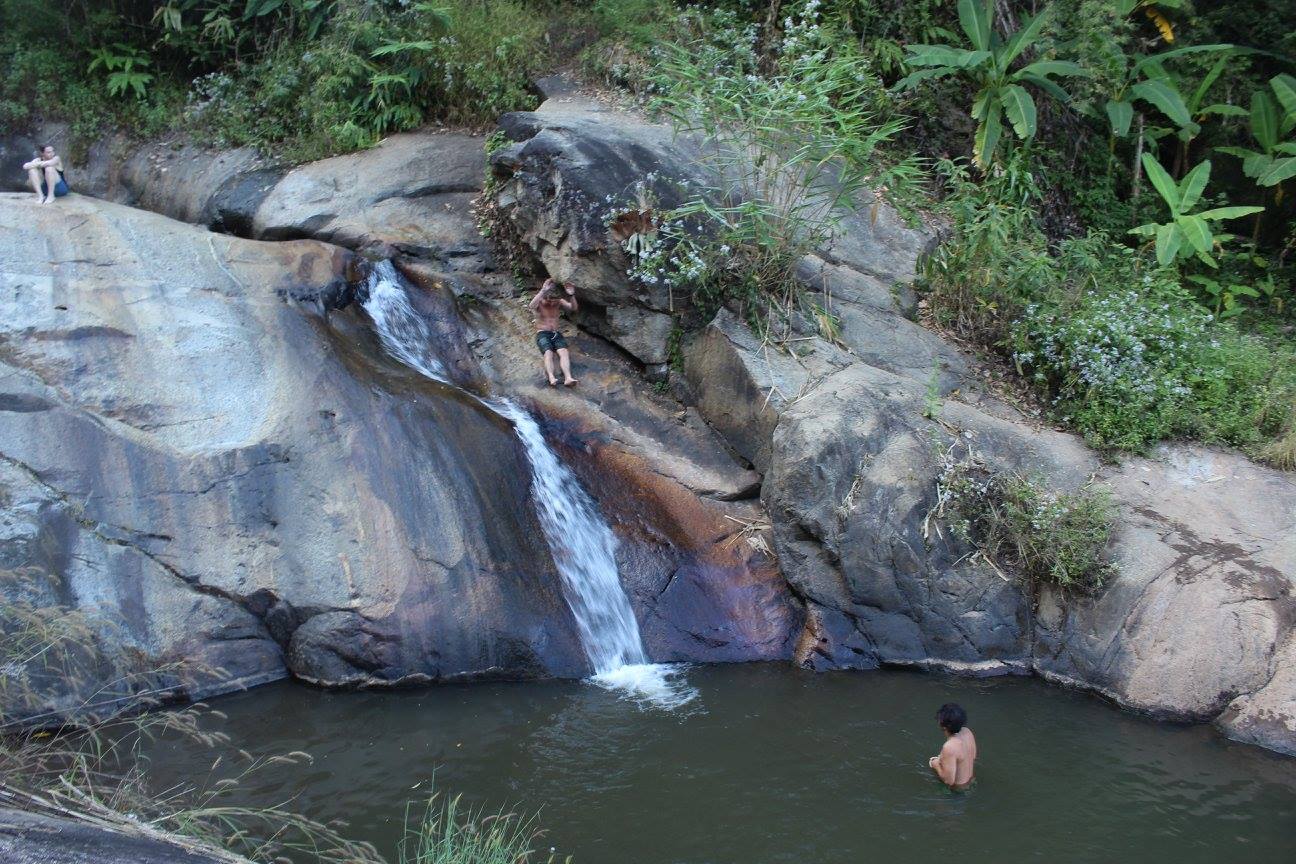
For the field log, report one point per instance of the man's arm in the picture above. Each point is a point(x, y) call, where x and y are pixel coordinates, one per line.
point(945, 765)
point(535, 301)
point(570, 303)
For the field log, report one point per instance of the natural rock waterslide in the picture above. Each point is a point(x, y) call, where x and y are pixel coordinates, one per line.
point(832, 436)
point(218, 473)
point(582, 544)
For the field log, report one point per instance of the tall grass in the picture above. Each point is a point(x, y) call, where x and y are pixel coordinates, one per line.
point(450, 833)
point(74, 720)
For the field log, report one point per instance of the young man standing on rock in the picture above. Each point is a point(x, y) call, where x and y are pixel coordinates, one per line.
point(958, 755)
point(547, 306)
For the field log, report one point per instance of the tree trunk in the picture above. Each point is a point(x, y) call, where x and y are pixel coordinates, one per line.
point(1255, 232)
point(1138, 160)
point(771, 35)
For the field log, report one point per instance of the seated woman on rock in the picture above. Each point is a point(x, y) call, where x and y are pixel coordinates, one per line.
point(45, 173)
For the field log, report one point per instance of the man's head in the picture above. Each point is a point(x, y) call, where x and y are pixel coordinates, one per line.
point(553, 290)
point(47, 151)
point(951, 717)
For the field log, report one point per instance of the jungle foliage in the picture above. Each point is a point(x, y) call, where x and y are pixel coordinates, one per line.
point(1082, 152)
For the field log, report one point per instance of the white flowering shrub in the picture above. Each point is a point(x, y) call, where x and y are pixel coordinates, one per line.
point(1134, 365)
point(1040, 535)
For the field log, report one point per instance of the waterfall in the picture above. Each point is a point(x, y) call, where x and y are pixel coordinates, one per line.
point(403, 332)
point(582, 545)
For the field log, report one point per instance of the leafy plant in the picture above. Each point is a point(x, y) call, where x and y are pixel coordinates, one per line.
point(996, 259)
point(450, 833)
point(1224, 298)
point(1133, 366)
point(1187, 233)
point(1145, 80)
point(124, 67)
point(1043, 536)
point(1272, 120)
point(791, 153)
point(988, 63)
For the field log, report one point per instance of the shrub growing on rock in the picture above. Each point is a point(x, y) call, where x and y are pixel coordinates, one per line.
point(791, 151)
point(1043, 536)
point(1131, 367)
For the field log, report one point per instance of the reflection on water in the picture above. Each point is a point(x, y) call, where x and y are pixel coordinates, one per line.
point(770, 764)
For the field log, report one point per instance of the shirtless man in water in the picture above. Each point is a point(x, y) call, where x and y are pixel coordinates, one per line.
point(547, 306)
point(958, 755)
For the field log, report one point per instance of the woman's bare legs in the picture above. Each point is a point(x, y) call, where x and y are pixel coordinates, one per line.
point(51, 178)
point(34, 178)
point(564, 360)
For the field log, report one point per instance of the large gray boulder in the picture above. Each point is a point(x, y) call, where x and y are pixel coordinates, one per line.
point(34, 838)
point(575, 161)
point(1198, 624)
point(570, 165)
point(212, 474)
point(411, 194)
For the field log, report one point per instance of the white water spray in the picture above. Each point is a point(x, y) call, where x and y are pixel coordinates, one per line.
point(581, 543)
point(403, 332)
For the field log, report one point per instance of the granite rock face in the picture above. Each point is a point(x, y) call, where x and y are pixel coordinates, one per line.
point(205, 450)
point(269, 487)
point(1197, 626)
point(570, 164)
point(212, 473)
point(30, 838)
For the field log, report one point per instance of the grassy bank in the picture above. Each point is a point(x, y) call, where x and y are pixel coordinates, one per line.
point(67, 751)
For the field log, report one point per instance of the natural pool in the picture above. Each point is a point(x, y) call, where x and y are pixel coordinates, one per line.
point(772, 764)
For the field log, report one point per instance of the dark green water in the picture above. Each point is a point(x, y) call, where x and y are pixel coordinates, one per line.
point(777, 765)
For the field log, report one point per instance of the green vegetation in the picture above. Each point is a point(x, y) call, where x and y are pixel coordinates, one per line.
point(83, 758)
point(1043, 537)
point(450, 833)
point(1150, 196)
point(1131, 368)
point(793, 148)
point(1136, 317)
point(1000, 90)
point(300, 78)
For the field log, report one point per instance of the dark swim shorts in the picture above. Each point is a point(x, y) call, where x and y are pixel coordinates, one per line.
point(60, 188)
point(550, 340)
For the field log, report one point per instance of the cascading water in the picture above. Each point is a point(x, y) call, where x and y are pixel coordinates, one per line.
point(403, 331)
point(582, 544)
